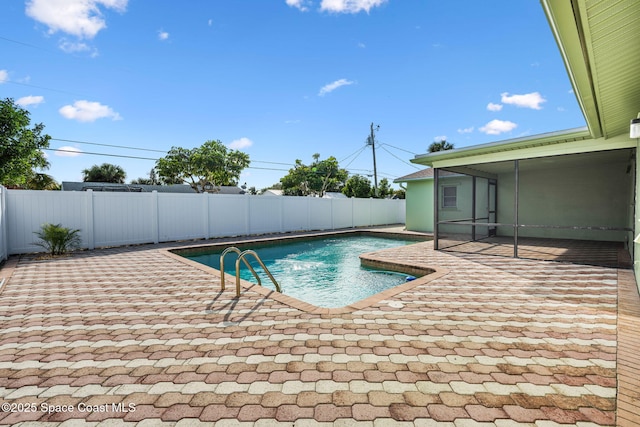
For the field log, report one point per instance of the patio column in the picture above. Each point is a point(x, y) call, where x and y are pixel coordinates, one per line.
point(515, 209)
point(436, 187)
point(473, 208)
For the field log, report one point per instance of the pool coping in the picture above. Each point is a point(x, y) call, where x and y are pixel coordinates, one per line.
point(370, 259)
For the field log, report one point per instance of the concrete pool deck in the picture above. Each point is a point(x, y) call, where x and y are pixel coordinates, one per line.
point(131, 335)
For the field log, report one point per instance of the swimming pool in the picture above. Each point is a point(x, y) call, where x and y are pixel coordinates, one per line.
point(323, 272)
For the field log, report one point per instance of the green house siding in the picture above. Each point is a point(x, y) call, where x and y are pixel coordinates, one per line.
point(419, 199)
point(464, 204)
point(594, 196)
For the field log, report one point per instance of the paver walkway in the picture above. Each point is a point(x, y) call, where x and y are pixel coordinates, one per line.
point(132, 335)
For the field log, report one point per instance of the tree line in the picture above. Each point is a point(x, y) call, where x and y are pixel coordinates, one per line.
point(204, 168)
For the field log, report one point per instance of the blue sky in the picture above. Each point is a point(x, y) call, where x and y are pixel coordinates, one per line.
point(280, 79)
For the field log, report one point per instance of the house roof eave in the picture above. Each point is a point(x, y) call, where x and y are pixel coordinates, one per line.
point(566, 25)
point(506, 145)
point(598, 43)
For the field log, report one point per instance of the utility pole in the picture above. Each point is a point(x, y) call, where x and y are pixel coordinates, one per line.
point(372, 143)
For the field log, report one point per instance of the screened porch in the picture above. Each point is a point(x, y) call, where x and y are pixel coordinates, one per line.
point(575, 208)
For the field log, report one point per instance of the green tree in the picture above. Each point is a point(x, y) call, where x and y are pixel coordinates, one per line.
point(152, 180)
point(20, 146)
point(441, 145)
point(41, 181)
point(384, 189)
point(400, 194)
point(357, 186)
point(211, 164)
point(316, 179)
point(296, 182)
point(106, 172)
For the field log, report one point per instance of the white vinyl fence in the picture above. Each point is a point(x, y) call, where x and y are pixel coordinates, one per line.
point(116, 219)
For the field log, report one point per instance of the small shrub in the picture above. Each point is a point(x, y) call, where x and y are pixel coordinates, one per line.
point(56, 239)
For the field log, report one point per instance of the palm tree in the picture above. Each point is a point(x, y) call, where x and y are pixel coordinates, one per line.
point(41, 181)
point(106, 172)
point(441, 145)
point(152, 180)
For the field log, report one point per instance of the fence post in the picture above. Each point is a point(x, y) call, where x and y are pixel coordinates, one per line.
point(353, 220)
point(205, 220)
point(282, 214)
point(155, 222)
point(4, 239)
point(247, 210)
point(90, 220)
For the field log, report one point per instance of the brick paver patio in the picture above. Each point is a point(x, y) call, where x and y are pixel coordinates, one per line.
point(132, 335)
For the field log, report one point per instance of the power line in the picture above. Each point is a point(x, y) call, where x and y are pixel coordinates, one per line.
point(25, 44)
point(44, 88)
point(273, 163)
point(403, 161)
point(146, 149)
point(354, 159)
point(98, 154)
point(358, 151)
point(398, 148)
point(369, 172)
point(153, 159)
point(107, 145)
point(267, 169)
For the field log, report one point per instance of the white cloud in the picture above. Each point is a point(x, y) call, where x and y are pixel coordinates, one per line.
point(75, 47)
point(68, 151)
point(80, 18)
point(466, 130)
point(350, 6)
point(494, 107)
point(241, 143)
point(163, 35)
point(210, 22)
point(528, 100)
point(4, 76)
point(333, 86)
point(86, 111)
point(362, 45)
point(25, 101)
point(298, 4)
point(496, 127)
point(440, 138)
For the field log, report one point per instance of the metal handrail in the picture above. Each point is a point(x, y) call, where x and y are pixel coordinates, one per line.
point(563, 227)
point(241, 257)
point(237, 251)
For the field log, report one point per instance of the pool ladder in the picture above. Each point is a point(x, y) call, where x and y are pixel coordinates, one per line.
point(242, 255)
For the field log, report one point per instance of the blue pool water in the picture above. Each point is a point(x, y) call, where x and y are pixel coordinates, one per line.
point(323, 272)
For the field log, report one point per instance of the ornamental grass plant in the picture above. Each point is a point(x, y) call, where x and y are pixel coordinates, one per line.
point(56, 239)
